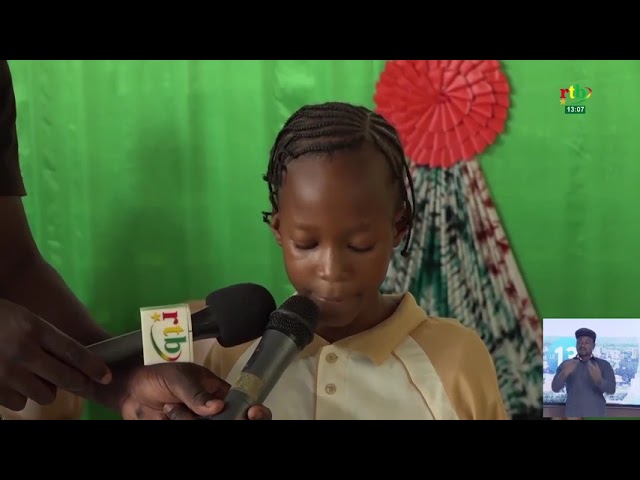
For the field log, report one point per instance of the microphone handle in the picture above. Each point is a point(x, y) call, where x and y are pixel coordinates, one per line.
point(236, 406)
point(272, 356)
point(129, 345)
point(119, 348)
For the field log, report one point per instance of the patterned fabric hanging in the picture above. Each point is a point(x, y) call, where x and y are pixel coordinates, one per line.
point(460, 264)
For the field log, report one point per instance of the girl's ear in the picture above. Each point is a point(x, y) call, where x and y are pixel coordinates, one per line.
point(275, 227)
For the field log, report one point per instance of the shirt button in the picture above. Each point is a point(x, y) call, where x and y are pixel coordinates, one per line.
point(330, 389)
point(332, 357)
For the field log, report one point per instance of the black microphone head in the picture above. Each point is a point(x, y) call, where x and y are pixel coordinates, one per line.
point(298, 318)
point(241, 312)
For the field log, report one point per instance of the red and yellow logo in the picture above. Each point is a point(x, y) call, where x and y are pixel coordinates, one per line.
point(574, 95)
point(167, 336)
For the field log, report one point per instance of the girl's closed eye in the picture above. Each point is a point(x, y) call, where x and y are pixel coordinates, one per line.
point(305, 245)
point(362, 248)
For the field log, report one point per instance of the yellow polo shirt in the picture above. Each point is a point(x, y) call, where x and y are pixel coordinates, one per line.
point(409, 367)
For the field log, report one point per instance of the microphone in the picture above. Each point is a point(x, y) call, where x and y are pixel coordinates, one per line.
point(234, 315)
point(290, 329)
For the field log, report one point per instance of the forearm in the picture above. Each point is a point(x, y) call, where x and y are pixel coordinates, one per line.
point(558, 381)
point(38, 287)
point(604, 384)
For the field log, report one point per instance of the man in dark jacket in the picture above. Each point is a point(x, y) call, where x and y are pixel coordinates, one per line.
point(587, 379)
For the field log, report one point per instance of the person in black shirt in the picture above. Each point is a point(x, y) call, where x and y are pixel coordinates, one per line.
point(587, 379)
point(45, 328)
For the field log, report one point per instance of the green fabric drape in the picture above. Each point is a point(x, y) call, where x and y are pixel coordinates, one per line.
point(461, 266)
point(145, 187)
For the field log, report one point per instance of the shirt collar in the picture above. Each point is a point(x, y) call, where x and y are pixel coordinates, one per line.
point(379, 342)
point(578, 357)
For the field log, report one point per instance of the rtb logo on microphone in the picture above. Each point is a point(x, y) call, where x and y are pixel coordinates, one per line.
point(166, 334)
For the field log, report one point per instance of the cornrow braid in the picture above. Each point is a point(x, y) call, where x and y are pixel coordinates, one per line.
point(333, 126)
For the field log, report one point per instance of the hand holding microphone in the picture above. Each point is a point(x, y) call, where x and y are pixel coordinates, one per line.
point(234, 315)
point(290, 329)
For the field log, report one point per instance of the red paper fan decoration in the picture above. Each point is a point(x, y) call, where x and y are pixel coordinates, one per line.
point(445, 111)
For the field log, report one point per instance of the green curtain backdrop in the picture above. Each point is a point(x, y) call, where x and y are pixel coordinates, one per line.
point(144, 177)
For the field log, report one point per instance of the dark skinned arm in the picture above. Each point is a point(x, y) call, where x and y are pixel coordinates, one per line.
point(562, 372)
point(34, 298)
point(27, 279)
point(558, 380)
point(603, 376)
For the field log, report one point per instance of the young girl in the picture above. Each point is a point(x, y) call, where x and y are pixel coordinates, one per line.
point(338, 184)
